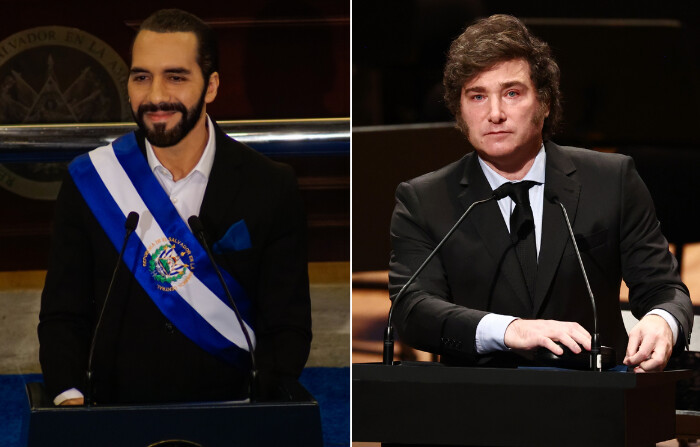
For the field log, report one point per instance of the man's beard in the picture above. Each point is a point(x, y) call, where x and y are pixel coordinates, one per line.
point(159, 136)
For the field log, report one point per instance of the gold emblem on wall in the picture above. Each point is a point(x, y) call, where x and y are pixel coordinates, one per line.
point(56, 74)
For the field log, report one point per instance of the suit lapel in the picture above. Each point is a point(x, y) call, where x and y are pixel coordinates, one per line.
point(488, 222)
point(222, 187)
point(555, 234)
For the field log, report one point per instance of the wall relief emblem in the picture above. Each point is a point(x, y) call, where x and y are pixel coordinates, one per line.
point(56, 74)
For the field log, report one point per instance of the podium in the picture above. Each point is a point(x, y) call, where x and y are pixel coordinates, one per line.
point(292, 421)
point(427, 403)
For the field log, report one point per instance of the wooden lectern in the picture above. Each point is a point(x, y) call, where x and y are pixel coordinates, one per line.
point(427, 403)
point(293, 421)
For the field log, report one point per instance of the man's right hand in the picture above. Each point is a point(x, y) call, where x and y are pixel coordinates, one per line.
point(531, 334)
point(76, 401)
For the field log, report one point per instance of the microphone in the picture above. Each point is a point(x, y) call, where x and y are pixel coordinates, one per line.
point(596, 358)
point(388, 354)
point(198, 230)
point(132, 221)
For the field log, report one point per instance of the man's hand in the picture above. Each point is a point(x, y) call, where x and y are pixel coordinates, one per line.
point(76, 401)
point(530, 334)
point(650, 345)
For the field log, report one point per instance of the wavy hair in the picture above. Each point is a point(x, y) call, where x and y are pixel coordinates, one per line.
point(497, 39)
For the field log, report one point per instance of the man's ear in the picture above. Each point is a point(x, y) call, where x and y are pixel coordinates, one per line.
point(212, 87)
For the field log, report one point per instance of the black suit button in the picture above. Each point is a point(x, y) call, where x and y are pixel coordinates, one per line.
point(169, 327)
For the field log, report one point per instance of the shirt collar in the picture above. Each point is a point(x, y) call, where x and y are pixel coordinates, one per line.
point(205, 162)
point(536, 172)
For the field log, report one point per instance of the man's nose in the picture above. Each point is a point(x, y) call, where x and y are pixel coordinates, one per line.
point(496, 113)
point(158, 92)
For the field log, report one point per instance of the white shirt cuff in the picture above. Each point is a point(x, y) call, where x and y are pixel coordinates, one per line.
point(68, 394)
point(491, 333)
point(670, 319)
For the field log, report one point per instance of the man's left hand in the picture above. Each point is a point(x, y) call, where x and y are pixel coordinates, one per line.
point(650, 345)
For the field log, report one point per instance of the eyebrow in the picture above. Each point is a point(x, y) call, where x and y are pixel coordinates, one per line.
point(503, 85)
point(175, 70)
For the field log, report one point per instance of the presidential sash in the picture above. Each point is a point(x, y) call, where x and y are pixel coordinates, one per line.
point(165, 258)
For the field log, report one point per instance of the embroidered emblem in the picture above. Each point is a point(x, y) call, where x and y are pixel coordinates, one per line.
point(170, 263)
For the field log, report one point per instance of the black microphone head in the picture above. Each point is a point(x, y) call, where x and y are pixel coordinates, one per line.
point(502, 191)
point(131, 221)
point(195, 224)
point(551, 195)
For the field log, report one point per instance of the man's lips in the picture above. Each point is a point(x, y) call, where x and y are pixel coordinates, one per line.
point(160, 115)
point(497, 132)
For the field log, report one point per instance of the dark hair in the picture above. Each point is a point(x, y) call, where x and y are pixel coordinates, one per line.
point(177, 20)
point(497, 39)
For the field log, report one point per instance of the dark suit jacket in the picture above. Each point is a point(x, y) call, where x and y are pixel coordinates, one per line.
point(477, 271)
point(140, 355)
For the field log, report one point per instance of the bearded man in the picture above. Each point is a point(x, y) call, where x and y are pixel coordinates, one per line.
point(168, 333)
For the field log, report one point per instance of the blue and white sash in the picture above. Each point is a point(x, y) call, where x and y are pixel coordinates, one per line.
point(166, 258)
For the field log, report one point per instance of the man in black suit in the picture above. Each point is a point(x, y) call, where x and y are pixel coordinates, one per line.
point(159, 341)
point(508, 279)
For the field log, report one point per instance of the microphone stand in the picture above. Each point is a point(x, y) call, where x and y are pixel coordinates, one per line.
point(198, 229)
point(596, 362)
point(132, 221)
point(388, 353)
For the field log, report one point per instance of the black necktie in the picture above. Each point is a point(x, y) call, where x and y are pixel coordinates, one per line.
point(522, 232)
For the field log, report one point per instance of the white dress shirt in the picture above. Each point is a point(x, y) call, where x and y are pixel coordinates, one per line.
point(491, 330)
point(186, 195)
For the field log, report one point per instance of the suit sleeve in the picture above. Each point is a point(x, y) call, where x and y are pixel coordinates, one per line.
point(425, 317)
point(66, 315)
point(649, 269)
point(284, 320)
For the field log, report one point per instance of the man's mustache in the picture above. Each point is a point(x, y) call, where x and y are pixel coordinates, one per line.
point(162, 107)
